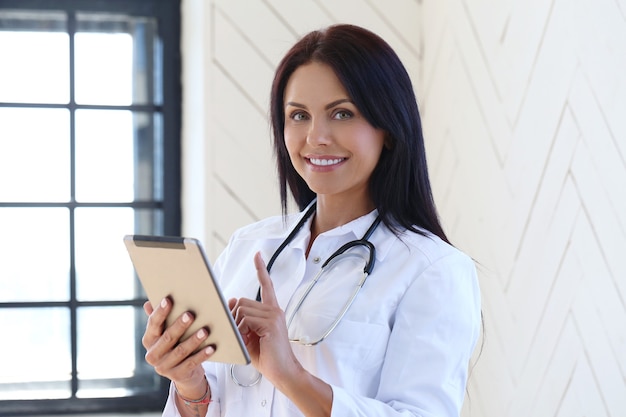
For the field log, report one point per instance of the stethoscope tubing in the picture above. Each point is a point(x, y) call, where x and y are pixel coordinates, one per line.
point(367, 270)
point(369, 266)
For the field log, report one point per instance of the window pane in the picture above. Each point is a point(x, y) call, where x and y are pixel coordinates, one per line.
point(116, 155)
point(34, 154)
point(103, 68)
point(34, 50)
point(34, 244)
point(104, 367)
point(103, 269)
point(104, 155)
point(114, 59)
point(98, 324)
point(36, 363)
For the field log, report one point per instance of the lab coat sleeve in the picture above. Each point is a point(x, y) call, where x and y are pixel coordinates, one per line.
point(435, 329)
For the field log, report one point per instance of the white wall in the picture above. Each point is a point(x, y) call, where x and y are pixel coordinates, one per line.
point(521, 103)
point(524, 106)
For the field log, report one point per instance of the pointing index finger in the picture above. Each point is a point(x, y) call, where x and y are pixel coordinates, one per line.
point(268, 295)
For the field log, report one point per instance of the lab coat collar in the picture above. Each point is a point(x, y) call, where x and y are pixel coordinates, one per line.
point(276, 231)
point(382, 238)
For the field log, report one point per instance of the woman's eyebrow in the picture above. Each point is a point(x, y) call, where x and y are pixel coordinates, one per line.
point(328, 106)
point(294, 104)
point(337, 102)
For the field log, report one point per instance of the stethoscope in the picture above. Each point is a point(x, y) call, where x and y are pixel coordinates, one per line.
point(247, 376)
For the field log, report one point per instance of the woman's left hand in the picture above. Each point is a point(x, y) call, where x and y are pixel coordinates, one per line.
point(264, 331)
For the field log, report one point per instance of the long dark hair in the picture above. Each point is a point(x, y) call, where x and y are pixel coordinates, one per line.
point(381, 89)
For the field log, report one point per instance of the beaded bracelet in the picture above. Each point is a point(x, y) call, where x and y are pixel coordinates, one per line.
point(204, 400)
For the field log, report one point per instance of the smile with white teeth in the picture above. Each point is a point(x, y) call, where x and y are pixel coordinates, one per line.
point(325, 162)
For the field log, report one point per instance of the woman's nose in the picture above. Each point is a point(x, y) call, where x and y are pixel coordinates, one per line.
point(319, 133)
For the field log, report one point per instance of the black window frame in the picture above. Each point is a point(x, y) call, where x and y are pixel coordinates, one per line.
point(167, 14)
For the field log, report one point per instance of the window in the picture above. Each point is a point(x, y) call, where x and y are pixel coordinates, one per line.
point(89, 152)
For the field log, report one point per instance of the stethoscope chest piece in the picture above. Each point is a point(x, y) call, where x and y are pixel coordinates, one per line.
point(245, 375)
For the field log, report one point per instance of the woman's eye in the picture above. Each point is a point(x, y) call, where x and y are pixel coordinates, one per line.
point(342, 114)
point(298, 116)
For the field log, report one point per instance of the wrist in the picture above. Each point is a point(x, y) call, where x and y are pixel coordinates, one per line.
point(191, 397)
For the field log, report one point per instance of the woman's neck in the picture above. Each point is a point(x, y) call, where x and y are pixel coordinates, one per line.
point(331, 213)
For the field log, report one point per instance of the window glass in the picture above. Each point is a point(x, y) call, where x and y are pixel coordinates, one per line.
point(103, 268)
point(34, 244)
point(104, 68)
point(34, 154)
point(118, 153)
point(115, 59)
point(37, 361)
point(39, 69)
point(107, 355)
point(104, 155)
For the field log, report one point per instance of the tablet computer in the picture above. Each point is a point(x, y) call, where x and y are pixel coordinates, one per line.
point(177, 267)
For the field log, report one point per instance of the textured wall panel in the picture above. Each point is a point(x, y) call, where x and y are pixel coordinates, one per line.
point(524, 117)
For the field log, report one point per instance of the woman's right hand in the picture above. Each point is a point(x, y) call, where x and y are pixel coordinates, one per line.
point(171, 357)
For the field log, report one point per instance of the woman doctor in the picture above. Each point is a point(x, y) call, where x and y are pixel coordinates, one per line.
point(349, 149)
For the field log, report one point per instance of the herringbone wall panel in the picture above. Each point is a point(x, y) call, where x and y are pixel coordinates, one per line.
point(524, 105)
point(524, 110)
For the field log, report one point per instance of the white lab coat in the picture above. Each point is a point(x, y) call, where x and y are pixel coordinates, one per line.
point(403, 348)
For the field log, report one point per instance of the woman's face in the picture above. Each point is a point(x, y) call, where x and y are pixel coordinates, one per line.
point(331, 145)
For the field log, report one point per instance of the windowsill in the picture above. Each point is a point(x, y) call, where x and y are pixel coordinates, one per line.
point(104, 415)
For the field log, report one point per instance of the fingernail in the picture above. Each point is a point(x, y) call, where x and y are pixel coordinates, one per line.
point(209, 350)
point(164, 302)
point(186, 318)
point(201, 333)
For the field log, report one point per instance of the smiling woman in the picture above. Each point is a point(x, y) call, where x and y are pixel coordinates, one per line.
point(389, 326)
point(84, 160)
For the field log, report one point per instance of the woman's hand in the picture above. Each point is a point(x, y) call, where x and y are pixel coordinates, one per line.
point(171, 357)
point(263, 329)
